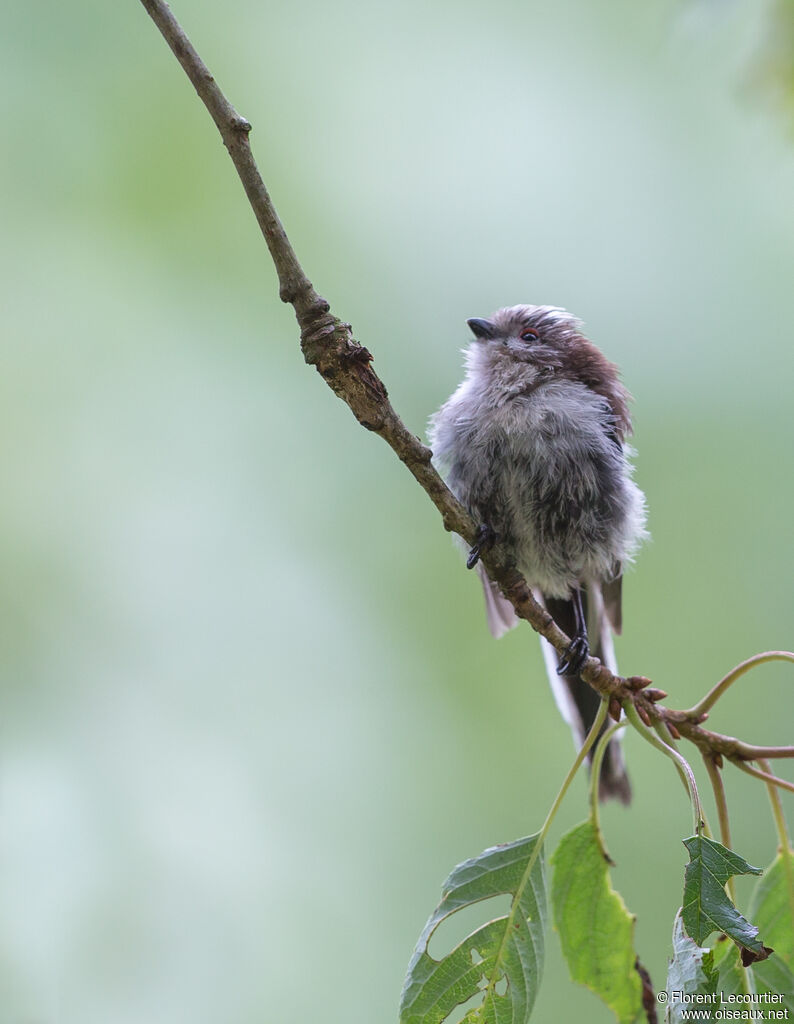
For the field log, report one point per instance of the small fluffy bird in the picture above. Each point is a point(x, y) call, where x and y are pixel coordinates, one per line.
point(533, 443)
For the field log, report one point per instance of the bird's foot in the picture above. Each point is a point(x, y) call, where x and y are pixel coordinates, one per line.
point(484, 540)
point(576, 654)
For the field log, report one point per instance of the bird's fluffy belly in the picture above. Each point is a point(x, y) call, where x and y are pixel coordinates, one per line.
point(553, 484)
point(563, 513)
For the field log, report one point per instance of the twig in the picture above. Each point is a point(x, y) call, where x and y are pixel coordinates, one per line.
point(295, 287)
point(774, 780)
point(717, 691)
point(707, 740)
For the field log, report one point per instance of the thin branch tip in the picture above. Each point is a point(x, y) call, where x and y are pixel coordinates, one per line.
point(735, 673)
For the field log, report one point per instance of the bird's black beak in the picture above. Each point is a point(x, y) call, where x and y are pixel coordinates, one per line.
point(484, 330)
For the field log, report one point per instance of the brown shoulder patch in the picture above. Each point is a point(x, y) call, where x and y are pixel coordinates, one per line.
point(585, 363)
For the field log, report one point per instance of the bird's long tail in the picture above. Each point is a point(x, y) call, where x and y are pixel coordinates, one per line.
point(578, 702)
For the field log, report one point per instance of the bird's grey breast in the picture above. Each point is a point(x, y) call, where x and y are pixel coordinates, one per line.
point(559, 417)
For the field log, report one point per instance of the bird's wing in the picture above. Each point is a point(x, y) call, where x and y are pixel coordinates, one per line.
point(612, 593)
point(501, 614)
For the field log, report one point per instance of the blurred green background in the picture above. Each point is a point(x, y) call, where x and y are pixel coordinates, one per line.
point(251, 712)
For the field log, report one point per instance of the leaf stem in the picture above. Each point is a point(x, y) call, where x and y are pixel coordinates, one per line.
point(590, 739)
point(720, 800)
point(681, 762)
point(777, 810)
point(727, 681)
point(577, 764)
point(774, 780)
point(782, 831)
point(595, 775)
point(668, 740)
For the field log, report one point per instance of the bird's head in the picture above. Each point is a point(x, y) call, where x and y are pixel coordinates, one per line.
point(535, 334)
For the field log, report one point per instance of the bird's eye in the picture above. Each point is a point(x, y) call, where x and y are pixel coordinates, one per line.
point(529, 334)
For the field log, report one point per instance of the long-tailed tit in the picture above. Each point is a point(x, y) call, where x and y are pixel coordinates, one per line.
point(533, 444)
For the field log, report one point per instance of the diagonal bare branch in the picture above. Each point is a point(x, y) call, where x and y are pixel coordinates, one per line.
point(328, 343)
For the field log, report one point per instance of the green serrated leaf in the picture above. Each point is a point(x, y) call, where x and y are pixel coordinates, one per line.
point(596, 930)
point(772, 907)
point(691, 972)
point(707, 906)
point(503, 959)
